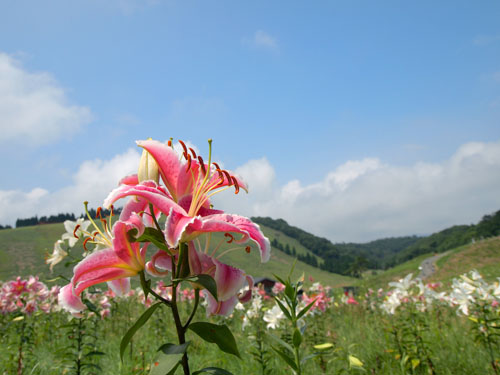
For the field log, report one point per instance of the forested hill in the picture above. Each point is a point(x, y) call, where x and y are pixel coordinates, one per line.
point(452, 237)
point(343, 258)
point(352, 258)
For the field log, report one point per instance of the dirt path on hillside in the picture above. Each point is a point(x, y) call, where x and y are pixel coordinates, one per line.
point(428, 266)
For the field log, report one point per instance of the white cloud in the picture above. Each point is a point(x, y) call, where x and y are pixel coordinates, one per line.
point(262, 40)
point(93, 180)
point(33, 107)
point(359, 200)
point(366, 199)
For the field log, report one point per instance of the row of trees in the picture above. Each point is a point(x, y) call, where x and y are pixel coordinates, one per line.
point(352, 258)
point(292, 251)
point(59, 218)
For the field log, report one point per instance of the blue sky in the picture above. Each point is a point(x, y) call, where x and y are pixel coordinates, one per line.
point(379, 95)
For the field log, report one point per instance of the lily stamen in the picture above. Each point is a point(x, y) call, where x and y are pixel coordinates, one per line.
point(74, 232)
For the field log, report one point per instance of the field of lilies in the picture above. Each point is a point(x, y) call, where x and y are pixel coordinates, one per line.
point(194, 314)
point(410, 328)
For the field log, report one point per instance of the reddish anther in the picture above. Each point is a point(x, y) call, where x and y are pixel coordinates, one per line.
point(85, 243)
point(202, 165)
point(184, 147)
point(236, 186)
point(74, 231)
point(229, 237)
point(193, 153)
point(247, 249)
point(189, 163)
point(169, 143)
point(216, 165)
point(228, 176)
point(98, 212)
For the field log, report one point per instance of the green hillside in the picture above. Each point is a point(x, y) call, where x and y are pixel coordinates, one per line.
point(23, 251)
point(483, 256)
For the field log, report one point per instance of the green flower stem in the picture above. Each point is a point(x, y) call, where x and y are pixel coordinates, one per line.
point(196, 302)
point(488, 339)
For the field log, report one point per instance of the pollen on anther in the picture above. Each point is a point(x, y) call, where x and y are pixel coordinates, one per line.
point(74, 231)
point(236, 186)
point(169, 143)
point(193, 152)
point(228, 176)
point(98, 212)
point(247, 249)
point(202, 165)
point(229, 236)
point(188, 163)
point(85, 243)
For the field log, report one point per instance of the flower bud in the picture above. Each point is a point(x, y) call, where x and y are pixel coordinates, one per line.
point(148, 169)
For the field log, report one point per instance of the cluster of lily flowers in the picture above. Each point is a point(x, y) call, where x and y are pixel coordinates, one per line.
point(319, 295)
point(467, 290)
point(27, 296)
point(114, 254)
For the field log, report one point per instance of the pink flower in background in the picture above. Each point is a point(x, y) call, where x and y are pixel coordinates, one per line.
point(278, 288)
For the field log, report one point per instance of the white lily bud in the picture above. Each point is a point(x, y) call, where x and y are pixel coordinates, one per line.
point(148, 169)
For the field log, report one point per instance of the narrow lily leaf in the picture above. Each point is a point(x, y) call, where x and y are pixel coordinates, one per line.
point(279, 279)
point(297, 338)
point(307, 358)
point(168, 359)
point(217, 334)
point(284, 309)
point(154, 236)
point(205, 281)
point(90, 306)
point(282, 343)
point(305, 310)
point(213, 370)
point(286, 358)
point(138, 324)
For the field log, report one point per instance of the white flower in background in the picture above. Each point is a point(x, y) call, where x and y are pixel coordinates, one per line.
point(57, 255)
point(273, 316)
point(74, 230)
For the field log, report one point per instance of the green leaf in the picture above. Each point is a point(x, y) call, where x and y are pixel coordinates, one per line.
point(168, 358)
point(297, 338)
point(138, 324)
point(213, 370)
point(279, 279)
point(282, 343)
point(286, 358)
point(305, 310)
point(90, 306)
point(217, 334)
point(205, 281)
point(284, 309)
point(154, 236)
point(289, 292)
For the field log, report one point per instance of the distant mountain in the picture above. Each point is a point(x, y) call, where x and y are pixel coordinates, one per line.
point(343, 258)
point(452, 237)
point(352, 258)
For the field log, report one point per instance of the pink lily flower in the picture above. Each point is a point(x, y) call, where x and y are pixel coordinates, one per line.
point(229, 280)
point(122, 259)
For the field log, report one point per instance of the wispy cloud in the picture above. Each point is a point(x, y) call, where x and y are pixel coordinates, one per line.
point(261, 40)
point(367, 199)
point(483, 40)
point(34, 108)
